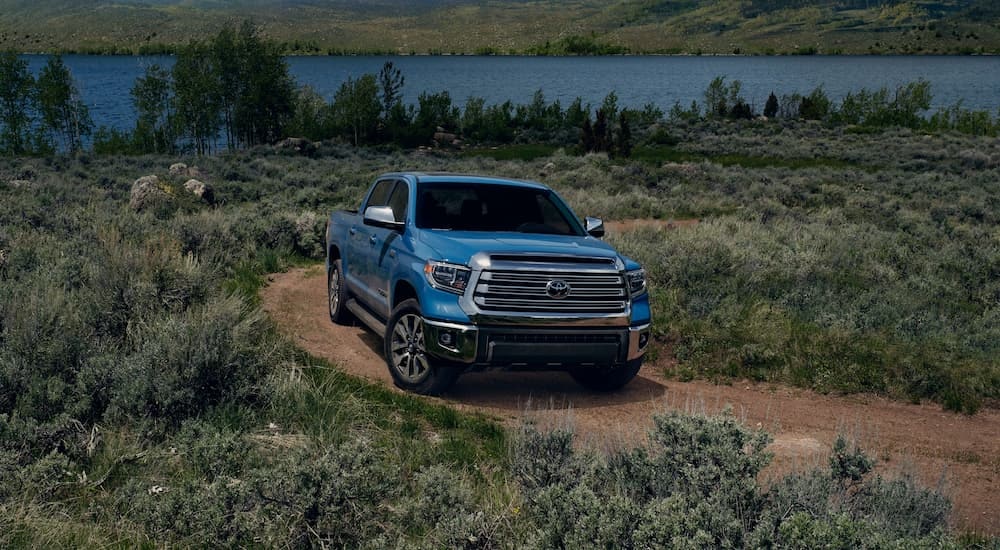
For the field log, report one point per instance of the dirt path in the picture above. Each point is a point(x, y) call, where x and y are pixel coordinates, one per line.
point(903, 437)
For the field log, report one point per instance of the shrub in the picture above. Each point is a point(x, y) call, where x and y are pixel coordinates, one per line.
point(695, 485)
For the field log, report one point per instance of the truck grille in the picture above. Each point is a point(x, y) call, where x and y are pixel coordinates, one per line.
point(512, 290)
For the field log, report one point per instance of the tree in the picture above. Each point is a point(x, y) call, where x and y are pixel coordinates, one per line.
point(771, 107)
point(153, 98)
point(623, 136)
point(197, 95)
point(229, 69)
point(601, 131)
point(715, 97)
point(311, 116)
point(741, 110)
point(586, 134)
point(264, 89)
point(610, 107)
point(724, 100)
point(63, 113)
point(434, 110)
point(356, 108)
point(390, 81)
point(576, 113)
point(815, 106)
point(17, 102)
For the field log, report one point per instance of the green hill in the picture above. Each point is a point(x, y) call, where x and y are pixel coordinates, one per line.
point(541, 26)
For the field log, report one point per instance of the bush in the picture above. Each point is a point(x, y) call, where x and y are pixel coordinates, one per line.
point(695, 485)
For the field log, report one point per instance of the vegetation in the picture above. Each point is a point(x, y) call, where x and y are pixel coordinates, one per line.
point(144, 398)
point(37, 115)
point(758, 27)
point(796, 276)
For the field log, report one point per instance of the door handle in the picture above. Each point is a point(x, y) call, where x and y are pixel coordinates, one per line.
point(373, 239)
point(352, 230)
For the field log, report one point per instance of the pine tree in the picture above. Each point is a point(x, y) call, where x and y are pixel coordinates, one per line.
point(771, 107)
point(601, 131)
point(623, 139)
point(586, 135)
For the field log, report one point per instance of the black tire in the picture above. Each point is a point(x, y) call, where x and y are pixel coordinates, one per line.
point(412, 369)
point(336, 294)
point(607, 379)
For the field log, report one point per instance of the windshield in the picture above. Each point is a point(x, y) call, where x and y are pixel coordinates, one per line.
point(489, 207)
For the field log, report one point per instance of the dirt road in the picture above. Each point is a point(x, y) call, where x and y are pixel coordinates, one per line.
point(924, 439)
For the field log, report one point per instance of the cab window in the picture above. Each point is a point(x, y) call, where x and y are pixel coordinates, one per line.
point(380, 194)
point(398, 201)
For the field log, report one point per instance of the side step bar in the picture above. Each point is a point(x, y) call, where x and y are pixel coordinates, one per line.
point(365, 317)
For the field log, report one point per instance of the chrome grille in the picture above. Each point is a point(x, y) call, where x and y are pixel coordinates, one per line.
point(525, 291)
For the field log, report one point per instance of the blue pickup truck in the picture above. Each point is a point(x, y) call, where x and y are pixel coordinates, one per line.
point(460, 273)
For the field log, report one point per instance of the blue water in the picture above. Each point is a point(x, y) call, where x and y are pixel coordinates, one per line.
point(105, 81)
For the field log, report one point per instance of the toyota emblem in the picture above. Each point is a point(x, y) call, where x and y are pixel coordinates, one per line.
point(557, 289)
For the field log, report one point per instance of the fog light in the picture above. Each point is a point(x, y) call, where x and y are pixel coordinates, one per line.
point(446, 339)
point(643, 340)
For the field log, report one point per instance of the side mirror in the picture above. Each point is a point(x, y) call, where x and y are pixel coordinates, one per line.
point(382, 216)
point(594, 226)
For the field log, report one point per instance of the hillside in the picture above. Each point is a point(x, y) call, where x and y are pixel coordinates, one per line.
point(502, 27)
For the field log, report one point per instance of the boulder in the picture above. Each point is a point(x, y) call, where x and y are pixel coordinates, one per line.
point(201, 190)
point(146, 191)
point(178, 169)
point(444, 137)
point(19, 183)
point(299, 145)
point(547, 169)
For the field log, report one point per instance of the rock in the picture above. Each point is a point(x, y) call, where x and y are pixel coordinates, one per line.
point(200, 190)
point(3, 257)
point(16, 184)
point(547, 169)
point(299, 145)
point(178, 169)
point(444, 138)
point(145, 192)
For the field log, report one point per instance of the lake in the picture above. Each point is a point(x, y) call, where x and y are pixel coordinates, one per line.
point(105, 81)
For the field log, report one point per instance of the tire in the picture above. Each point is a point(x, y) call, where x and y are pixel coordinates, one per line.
point(410, 366)
point(336, 294)
point(607, 379)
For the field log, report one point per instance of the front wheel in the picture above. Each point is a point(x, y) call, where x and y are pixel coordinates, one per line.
point(607, 379)
point(411, 367)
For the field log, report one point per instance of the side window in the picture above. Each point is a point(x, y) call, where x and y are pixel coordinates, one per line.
point(399, 200)
point(380, 194)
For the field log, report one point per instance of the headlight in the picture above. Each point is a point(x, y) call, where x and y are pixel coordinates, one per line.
point(448, 277)
point(636, 281)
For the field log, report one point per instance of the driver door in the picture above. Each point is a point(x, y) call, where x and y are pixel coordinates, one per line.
point(385, 245)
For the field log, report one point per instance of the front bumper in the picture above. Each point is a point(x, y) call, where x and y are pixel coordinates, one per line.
point(533, 346)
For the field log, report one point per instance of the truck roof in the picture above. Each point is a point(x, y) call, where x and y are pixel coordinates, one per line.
point(449, 177)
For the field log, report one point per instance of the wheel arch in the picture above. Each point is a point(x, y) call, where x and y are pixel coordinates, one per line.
point(403, 290)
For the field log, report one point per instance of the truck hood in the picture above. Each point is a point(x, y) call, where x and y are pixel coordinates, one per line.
point(459, 246)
